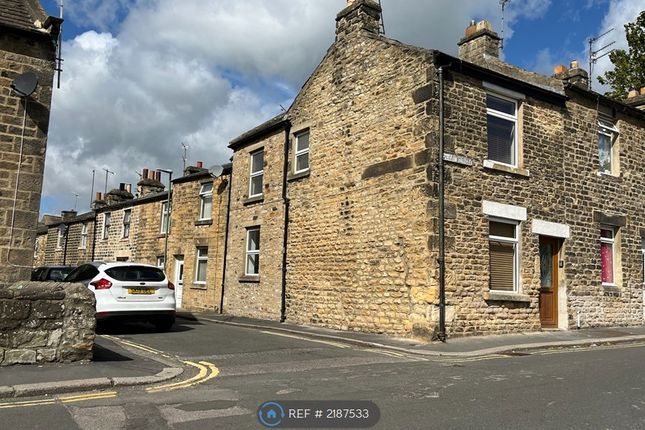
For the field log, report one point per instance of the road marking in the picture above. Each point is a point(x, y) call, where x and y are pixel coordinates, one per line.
point(207, 371)
point(326, 342)
point(85, 397)
point(60, 399)
point(138, 346)
point(10, 405)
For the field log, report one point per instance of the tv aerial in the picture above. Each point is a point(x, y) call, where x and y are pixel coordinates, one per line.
point(597, 54)
point(502, 3)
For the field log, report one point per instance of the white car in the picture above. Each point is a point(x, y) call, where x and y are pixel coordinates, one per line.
point(127, 291)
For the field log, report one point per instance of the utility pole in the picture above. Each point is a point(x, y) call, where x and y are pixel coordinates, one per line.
point(106, 179)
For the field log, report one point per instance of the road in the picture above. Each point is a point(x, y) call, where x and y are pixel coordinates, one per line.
point(596, 388)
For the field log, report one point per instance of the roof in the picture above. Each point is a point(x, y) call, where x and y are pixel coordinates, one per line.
point(227, 168)
point(276, 123)
point(22, 15)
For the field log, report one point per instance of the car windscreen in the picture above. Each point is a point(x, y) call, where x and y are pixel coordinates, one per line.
point(136, 273)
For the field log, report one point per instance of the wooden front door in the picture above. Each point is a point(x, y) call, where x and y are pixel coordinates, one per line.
point(549, 248)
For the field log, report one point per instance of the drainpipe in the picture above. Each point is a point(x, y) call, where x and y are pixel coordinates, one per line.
point(96, 218)
point(441, 334)
point(228, 218)
point(66, 239)
point(285, 199)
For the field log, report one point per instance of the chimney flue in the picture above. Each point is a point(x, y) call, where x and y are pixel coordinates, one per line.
point(357, 16)
point(479, 42)
point(200, 164)
point(145, 174)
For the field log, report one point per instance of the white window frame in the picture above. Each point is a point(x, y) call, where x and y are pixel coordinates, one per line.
point(507, 117)
point(165, 217)
point(516, 250)
point(611, 241)
point(61, 236)
point(200, 258)
point(126, 225)
point(253, 174)
point(606, 127)
point(643, 251)
point(83, 242)
point(161, 264)
point(203, 195)
point(298, 153)
point(107, 221)
point(248, 252)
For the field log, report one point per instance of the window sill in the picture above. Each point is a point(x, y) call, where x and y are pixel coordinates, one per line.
point(251, 200)
point(247, 279)
point(204, 222)
point(500, 296)
point(197, 286)
point(299, 175)
point(609, 176)
point(161, 235)
point(494, 165)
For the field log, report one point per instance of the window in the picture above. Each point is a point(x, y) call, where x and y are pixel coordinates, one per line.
point(607, 150)
point(106, 225)
point(61, 237)
point(161, 262)
point(127, 215)
point(36, 246)
point(607, 255)
point(201, 265)
point(165, 217)
point(301, 161)
point(504, 256)
point(206, 205)
point(83, 243)
point(501, 113)
point(257, 174)
point(252, 267)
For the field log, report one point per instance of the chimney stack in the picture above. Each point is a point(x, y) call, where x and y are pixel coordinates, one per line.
point(575, 75)
point(67, 215)
point(118, 195)
point(150, 183)
point(98, 202)
point(358, 15)
point(479, 42)
point(636, 99)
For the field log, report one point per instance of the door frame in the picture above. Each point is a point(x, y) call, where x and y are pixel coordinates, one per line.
point(556, 246)
point(179, 281)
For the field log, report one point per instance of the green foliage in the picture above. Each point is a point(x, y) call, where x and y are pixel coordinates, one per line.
point(629, 66)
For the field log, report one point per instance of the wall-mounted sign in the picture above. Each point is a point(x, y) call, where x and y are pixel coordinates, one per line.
point(458, 159)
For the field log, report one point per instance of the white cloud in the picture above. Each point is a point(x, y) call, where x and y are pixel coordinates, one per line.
point(203, 71)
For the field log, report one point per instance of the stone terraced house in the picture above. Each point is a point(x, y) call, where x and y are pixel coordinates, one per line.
point(334, 204)
point(27, 46)
point(329, 213)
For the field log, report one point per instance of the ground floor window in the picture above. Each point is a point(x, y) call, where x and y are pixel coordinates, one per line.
point(607, 255)
point(252, 267)
point(503, 243)
point(201, 265)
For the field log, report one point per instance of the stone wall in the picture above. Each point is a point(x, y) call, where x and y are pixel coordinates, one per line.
point(46, 322)
point(20, 53)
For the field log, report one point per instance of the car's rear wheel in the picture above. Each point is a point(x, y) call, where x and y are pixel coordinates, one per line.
point(164, 324)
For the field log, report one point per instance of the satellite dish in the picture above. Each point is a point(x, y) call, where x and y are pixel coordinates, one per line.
point(24, 85)
point(215, 170)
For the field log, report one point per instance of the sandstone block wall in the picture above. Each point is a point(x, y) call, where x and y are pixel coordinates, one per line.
point(46, 322)
point(19, 54)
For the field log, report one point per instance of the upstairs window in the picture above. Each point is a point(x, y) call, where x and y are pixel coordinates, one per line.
point(301, 160)
point(607, 147)
point(504, 256)
point(607, 255)
point(206, 201)
point(83, 242)
point(257, 174)
point(127, 216)
point(501, 114)
point(106, 225)
point(61, 237)
point(165, 218)
point(252, 266)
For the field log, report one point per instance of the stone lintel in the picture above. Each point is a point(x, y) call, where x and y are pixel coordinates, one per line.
point(613, 220)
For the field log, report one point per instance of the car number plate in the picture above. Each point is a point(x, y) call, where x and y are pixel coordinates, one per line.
point(141, 291)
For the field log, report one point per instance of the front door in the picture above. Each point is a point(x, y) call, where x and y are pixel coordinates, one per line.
point(179, 280)
point(549, 248)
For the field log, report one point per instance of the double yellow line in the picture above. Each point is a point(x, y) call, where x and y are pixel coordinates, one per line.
point(207, 371)
point(60, 399)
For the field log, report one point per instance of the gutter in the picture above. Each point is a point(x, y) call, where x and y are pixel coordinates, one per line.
point(285, 199)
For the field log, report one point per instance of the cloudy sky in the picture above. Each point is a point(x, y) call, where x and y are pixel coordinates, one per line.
point(141, 77)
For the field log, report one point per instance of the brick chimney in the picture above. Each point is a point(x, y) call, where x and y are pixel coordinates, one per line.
point(359, 15)
point(98, 202)
point(67, 215)
point(197, 168)
point(479, 41)
point(574, 75)
point(118, 195)
point(150, 183)
point(636, 99)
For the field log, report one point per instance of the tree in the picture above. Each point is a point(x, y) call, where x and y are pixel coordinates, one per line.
point(629, 66)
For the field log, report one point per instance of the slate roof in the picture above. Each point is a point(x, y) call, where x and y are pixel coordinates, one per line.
point(21, 14)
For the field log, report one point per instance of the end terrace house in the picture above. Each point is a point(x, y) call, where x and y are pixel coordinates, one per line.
point(334, 204)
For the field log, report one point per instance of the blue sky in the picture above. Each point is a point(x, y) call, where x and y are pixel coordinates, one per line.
point(142, 76)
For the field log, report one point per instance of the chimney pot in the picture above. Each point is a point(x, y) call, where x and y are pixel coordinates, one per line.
point(98, 196)
point(560, 69)
point(145, 174)
point(632, 94)
point(122, 186)
point(128, 188)
point(200, 164)
point(643, 91)
point(158, 176)
point(575, 64)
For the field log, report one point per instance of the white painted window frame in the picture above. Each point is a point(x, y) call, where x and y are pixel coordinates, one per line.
point(107, 221)
point(253, 174)
point(298, 153)
point(165, 216)
point(127, 221)
point(198, 259)
point(507, 117)
point(203, 195)
point(83, 242)
point(611, 241)
point(61, 237)
point(161, 263)
point(606, 127)
point(516, 250)
point(249, 252)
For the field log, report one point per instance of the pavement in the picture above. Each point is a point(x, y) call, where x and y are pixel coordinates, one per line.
point(121, 363)
point(458, 347)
